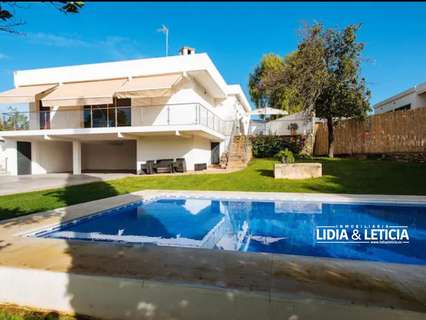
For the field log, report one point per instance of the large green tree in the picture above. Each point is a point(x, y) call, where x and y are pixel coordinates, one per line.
point(264, 85)
point(345, 94)
point(322, 77)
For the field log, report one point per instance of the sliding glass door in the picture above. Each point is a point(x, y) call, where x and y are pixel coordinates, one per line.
point(108, 115)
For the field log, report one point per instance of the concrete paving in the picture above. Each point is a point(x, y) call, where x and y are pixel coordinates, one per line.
point(27, 183)
point(148, 278)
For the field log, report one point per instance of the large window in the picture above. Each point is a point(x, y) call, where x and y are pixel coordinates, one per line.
point(108, 115)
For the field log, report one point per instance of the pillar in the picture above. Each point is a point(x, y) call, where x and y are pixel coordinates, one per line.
point(76, 157)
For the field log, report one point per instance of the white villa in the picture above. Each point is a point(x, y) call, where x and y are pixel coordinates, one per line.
point(116, 116)
point(412, 98)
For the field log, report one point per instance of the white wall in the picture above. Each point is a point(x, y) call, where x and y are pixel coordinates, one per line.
point(194, 149)
point(10, 157)
point(51, 156)
point(182, 105)
point(414, 99)
point(280, 126)
point(109, 155)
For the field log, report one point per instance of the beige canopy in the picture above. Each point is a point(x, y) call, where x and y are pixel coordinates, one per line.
point(25, 94)
point(149, 87)
point(83, 93)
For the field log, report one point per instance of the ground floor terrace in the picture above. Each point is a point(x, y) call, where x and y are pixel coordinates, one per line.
point(107, 150)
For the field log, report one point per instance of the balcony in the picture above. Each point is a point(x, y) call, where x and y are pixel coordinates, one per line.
point(112, 116)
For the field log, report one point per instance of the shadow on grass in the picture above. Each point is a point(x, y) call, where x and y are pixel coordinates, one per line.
point(266, 172)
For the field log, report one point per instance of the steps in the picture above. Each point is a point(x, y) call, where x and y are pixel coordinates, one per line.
point(239, 153)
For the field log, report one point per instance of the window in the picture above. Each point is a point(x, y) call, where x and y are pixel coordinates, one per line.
point(108, 115)
point(124, 112)
point(403, 108)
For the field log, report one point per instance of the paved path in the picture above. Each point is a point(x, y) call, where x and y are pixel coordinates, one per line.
point(17, 184)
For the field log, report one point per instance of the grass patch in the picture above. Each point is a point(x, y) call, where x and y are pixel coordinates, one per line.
point(9, 312)
point(340, 176)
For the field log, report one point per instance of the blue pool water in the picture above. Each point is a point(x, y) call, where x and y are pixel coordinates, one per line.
point(284, 227)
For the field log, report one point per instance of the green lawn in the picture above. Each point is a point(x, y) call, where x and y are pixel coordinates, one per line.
point(340, 176)
point(17, 313)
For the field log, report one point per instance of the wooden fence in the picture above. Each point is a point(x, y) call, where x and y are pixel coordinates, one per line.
point(392, 132)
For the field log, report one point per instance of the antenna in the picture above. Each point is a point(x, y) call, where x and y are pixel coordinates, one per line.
point(165, 30)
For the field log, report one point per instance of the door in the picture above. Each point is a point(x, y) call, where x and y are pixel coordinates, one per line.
point(24, 157)
point(215, 152)
point(44, 117)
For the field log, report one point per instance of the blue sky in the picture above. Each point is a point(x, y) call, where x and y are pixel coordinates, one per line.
point(235, 35)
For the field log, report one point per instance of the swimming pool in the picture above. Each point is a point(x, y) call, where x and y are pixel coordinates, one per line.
point(373, 232)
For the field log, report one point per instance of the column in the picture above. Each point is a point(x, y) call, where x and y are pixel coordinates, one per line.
point(76, 157)
point(139, 155)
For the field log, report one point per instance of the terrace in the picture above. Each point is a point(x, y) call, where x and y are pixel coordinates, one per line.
point(118, 117)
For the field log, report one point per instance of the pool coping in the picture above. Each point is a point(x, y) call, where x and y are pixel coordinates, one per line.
point(373, 283)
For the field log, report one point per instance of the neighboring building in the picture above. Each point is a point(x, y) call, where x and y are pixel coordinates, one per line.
point(115, 116)
point(293, 124)
point(409, 99)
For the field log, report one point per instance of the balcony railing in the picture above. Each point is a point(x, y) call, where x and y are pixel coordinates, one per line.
point(112, 116)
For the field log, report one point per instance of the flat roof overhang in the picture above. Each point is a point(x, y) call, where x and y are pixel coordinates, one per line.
point(115, 133)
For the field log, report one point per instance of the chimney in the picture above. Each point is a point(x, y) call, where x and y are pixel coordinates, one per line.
point(186, 51)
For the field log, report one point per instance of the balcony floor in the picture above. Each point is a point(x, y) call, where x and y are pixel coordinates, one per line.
point(111, 133)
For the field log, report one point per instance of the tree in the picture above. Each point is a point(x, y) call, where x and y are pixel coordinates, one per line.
point(7, 17)
point(14, 120)
point(260, 92)
point(345, 94)
point(322, 77)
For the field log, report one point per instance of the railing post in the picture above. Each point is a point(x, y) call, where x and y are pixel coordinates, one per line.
point(91, 117)
point(168, 115)
point(116, 110)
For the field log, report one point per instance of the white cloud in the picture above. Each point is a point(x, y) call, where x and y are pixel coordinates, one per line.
point(50, 39)
point(115, 47)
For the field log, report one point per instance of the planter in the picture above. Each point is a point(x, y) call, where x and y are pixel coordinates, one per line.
point(297, 170)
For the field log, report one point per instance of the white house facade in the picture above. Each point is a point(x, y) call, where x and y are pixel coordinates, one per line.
point(116, 116)
point(412, 98)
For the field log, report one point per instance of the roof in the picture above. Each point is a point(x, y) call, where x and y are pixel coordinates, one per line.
point(418, 89)
point(198, 66)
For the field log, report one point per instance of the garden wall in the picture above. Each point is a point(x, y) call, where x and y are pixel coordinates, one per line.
point(400, 134)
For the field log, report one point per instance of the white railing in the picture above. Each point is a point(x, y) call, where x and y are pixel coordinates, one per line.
point(111, 116)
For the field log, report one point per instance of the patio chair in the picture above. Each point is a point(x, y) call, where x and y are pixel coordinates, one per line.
point(148, 167)
point(180, 165)
point(164, 166)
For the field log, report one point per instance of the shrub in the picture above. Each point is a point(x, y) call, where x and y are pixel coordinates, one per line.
point(285, 156)
point(267, 146)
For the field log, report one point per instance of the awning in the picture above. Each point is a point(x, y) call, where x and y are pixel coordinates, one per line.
point(25, 94)
point(83, 93)
point(149, 87)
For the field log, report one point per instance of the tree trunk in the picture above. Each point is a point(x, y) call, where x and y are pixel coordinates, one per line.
point(330, 128)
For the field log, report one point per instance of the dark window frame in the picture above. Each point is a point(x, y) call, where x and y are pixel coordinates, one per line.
point(117, 114)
